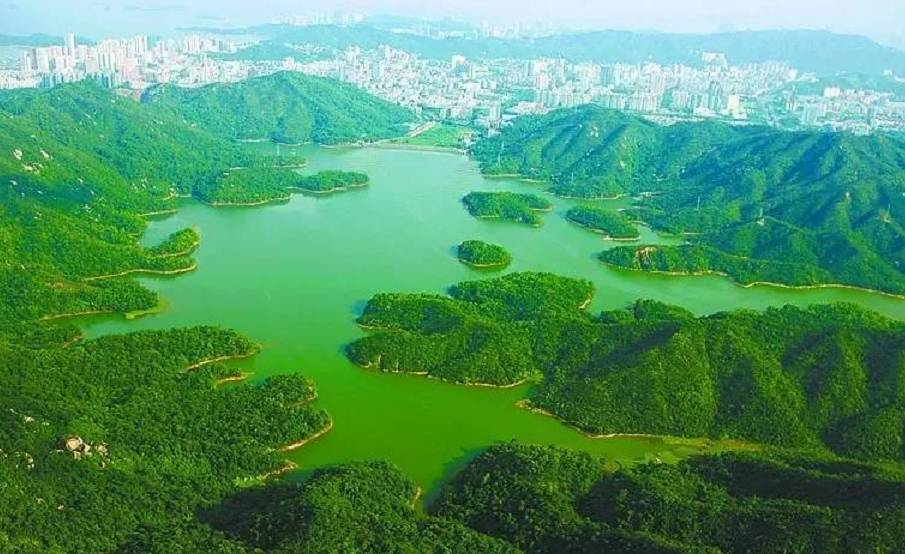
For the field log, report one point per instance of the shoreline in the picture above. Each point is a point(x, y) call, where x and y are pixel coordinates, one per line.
point(600, 232)
point(233, 378)
point(516, 176)
point(334, 190)
point(135, 314)
point(525, 404)
point(501, 265)
point(507, 220)
point(159, 212)
point(374, 367)
point(281, 199)
point(301, 165)
point(75, 314)
point(418, 148)
point(223, 358)
point(302, 442)
point(288, 465)
point(755, 284)
point(592, 198)
point(189, 269)
point(187, 252)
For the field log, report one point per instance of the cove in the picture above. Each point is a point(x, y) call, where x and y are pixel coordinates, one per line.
point(294, 277)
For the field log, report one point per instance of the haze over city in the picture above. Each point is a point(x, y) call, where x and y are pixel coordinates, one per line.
point(879, 19)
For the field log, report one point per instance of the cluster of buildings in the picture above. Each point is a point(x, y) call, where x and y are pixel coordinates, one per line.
point(438, 29)
point(135, 63)
point(309, 19)
point(484, 93)
point(854, 110)
point(487, 93)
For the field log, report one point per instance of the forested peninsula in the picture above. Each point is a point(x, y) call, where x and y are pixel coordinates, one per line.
point(613, 225)
point(822, 377)
point(510, 206)
point(758, 204)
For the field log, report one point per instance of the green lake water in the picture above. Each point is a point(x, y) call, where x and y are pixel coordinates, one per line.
point(295, 276)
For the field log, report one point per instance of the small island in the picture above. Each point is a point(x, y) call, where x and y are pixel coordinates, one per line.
point(482, 255)
point(511, 206)
point(326, 182)
point(612, 224)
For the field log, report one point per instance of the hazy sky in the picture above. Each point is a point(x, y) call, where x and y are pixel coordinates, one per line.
point(881, 19)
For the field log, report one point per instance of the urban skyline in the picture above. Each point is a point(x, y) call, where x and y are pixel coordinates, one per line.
point(483, 94)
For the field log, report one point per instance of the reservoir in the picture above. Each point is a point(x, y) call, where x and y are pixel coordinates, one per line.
point(295, 276)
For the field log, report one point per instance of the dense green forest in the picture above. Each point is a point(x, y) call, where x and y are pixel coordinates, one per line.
point(755, 203)
point(136, 443)
point(285, 107)
point(483, 332)
point(105, 439)
point(549, 500)
point(823, 377)
point(480, 254)
point(612, 224)
point(511, 206)
point(821, 52)
point(250, 186)
point(333, 181)
point(80, 167)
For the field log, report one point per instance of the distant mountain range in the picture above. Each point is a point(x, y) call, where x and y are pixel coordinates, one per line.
point(37, 40)
point(821, 52)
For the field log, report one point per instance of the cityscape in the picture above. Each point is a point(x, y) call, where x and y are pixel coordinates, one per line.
point(483, 94)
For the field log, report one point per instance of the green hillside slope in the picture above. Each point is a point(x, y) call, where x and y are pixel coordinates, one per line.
point(285, 107)
point(757, 204)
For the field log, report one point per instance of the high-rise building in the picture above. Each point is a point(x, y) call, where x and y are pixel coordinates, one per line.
point(70, 44)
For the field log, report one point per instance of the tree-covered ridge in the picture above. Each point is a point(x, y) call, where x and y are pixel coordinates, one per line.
point(284, 107)
point(483, 332)
point(511, 206)
point(822, 52)
point(545, 499)
point(104, 438)
point(80, 165)
point(356, 507)
point(824, 377)
point(751, 200)
point(612, 224)
point(590, 152)
point(333, 181)
point(480, 254)
point(704, 260)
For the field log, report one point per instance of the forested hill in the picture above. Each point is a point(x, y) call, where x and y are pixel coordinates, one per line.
point(284, 107)
point(814, 51)
point(828, 208)
point(79, 165)
point(826, 377)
